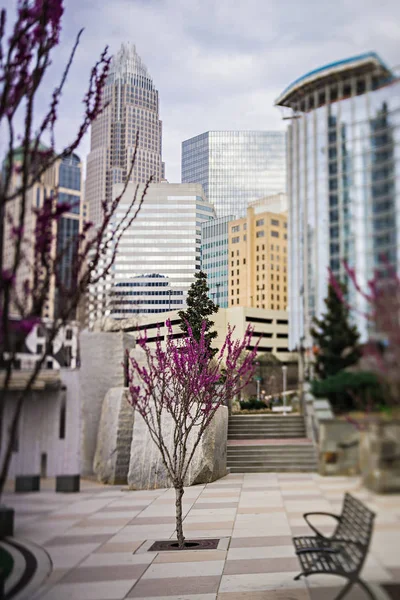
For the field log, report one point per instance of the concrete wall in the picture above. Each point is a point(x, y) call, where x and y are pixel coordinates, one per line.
point(102, 358)
point(380, 457)
point(339, 448)
point(39, 430)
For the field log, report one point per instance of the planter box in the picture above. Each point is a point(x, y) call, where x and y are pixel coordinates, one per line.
point(27, 483)
point(68, 483)
point(380, 456)
point(6, 521)
point(338, 448)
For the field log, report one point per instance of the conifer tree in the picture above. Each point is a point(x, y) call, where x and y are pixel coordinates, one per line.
point(199, 308)
point(336, 339)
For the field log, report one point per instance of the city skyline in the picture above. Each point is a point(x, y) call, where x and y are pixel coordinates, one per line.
point(235, 167)
point(242, 57)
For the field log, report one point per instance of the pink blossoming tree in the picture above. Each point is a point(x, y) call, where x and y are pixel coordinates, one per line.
point(25, 56)
point(182, 382)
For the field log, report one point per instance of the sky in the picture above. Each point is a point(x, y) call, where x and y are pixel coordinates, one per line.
point(218, 64)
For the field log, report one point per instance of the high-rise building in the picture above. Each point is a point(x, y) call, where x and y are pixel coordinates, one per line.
point(235, 167)
point(131, 110)
point(158, 254)
point(258, 258)
point(214, 258)
point(343, 182)
point(63, 180)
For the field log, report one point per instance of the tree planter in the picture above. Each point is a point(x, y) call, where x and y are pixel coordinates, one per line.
point(172, 545)
point(6, 521)
point(27, 483)
point(68, 483)
point(380, 456)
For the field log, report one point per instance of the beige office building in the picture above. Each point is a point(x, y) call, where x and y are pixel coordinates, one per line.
point(269, 326)
point(258, 256)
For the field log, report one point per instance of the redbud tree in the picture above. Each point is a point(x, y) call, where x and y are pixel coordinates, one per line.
point(182, 382)
point(30, 152)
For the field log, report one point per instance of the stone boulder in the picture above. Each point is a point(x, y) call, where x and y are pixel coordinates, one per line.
point(114, 438)
point(146, 470)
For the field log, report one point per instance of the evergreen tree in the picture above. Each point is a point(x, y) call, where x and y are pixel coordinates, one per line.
point(199, 308)
point(337, 341)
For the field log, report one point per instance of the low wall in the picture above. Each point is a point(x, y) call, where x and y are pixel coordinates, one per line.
point(380, 456)
point(338, 452)
point(146, 470)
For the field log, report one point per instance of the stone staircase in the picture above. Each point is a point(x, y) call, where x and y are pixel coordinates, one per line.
point(269, 443)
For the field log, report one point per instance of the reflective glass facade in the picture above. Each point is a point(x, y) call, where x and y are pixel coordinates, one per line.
point(214, 258)
point(344, 184)
point(235, 167)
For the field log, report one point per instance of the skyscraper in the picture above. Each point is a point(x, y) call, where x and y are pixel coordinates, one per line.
point(63, 182)
point(131, 109)
point(214, 258)
point(158, 254)
point(343, 182)
point(235, 167)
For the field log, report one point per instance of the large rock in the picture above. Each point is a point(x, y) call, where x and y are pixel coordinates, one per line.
point(114, 438)
point(146, 469)
point(102, 359)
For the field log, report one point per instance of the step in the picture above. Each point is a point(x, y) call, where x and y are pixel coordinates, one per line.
point(271, 470)
point(267, 436)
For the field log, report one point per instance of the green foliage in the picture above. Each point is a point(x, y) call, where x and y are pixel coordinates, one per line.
point(199, 308)
point(337, 341)
point(252, 404)
point(350, 390)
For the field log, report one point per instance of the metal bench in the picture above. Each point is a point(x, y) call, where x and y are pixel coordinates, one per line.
point(344, 552)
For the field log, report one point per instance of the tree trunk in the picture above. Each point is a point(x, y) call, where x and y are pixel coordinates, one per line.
point(178, 504)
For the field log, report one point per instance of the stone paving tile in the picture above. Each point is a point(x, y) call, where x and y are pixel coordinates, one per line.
point(356, 593)
point(255, 582)
point(102, 590)
point(293, 594)
point(204, 568)
point(67, 557)
point(202, 504)
point(110, 547)
point(190, 556)
point(255, 541)
point(260, 552)
point(152, 521)
point(105, 573)
point(177, 586)
point(100, 559)
point(261, 565)
point(72, 540)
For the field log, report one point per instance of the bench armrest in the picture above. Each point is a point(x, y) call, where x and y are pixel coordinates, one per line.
point(325, 514)
point(322, 549)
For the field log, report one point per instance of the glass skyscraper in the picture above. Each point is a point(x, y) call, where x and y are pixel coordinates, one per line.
point(343, 182)
point(235, 167)
point(215, 259)
point(131, 110)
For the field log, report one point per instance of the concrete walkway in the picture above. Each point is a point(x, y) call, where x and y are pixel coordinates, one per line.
point(98, 540)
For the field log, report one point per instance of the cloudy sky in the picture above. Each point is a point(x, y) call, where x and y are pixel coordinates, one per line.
point(219, 64)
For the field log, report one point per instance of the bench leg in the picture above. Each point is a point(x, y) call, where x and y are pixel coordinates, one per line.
point(298, 576)
point(366, 589)
point(345, 590)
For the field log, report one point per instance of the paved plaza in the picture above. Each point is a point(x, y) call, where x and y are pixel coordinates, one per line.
point(98, 539)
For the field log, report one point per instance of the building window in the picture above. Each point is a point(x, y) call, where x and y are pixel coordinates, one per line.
point(245, 237)
point(275, 233)
point(235, 240)
point(259, 222)
point(260, 234)
point(236, 229)
point(275, 222)
point(244, 261)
